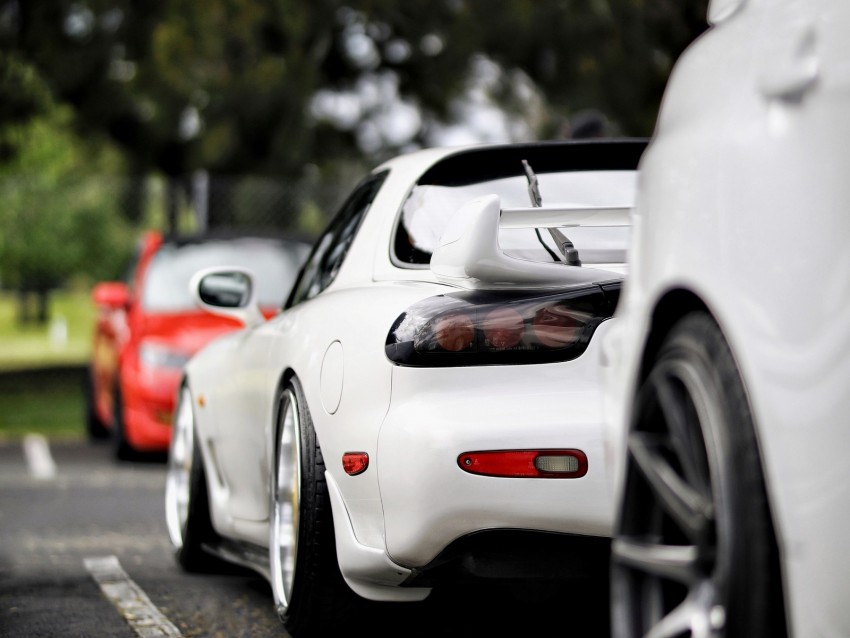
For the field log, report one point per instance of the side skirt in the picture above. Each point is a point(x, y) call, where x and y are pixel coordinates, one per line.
point(241, 553)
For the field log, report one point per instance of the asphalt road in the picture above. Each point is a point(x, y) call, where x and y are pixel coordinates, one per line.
point(84, 553)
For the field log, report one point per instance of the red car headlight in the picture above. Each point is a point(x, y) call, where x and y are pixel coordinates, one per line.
point(500, 327)
point(156, 355)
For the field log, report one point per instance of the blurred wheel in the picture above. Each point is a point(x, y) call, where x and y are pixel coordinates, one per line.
point(123, 450)
point(309, 591)
point(187, 514)
point(95, 429)
point(286, 501)
point(694, 551)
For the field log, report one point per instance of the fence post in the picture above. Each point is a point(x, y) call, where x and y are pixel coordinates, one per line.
point(201, 198)
point(172, 204)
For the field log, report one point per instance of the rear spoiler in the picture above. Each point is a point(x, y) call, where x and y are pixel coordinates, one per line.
point(561, 217)
point(469, 254)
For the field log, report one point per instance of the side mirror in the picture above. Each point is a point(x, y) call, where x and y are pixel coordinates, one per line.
point(227, 292)
point(111, 294)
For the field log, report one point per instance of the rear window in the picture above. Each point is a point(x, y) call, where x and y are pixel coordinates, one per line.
point(600, 173)
point(427, 211)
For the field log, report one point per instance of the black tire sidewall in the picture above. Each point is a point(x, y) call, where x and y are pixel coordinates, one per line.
point(198, 528)
point(319, 597)
point(745, 558)
point(123, 450)
point(95, 429)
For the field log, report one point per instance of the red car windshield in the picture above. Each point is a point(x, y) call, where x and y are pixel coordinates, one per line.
point(274, 262)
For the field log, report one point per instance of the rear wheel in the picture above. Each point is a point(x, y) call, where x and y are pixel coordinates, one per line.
point(309, 592)
point(95, 428)
point(187, 513)
point(694, 551)
point(123, 450)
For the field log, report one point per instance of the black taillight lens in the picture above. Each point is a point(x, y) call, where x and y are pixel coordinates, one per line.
point(500, 327)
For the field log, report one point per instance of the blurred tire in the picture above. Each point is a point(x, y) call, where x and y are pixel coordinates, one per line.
point(187, 511)
point(95, 428)
point(123, 450)
point(694, 552)
point(309, 592)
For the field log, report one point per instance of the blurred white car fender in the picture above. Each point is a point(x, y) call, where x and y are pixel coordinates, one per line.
point(741, 218)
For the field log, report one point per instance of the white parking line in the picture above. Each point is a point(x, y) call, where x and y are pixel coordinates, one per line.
point(37, 453)
point(136, 608)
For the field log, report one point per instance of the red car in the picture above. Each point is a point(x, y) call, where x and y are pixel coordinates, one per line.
point(148, 326)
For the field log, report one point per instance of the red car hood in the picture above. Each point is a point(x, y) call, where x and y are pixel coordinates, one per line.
point(186, 332)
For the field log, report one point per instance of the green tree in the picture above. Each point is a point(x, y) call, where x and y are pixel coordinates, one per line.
point(233, 86)
point(255, 87)
point(224, 85)
point(58, 216)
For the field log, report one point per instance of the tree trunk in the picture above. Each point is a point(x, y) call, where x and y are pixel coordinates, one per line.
point(33, 306)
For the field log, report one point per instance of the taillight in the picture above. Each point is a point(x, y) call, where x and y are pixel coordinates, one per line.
point(525, 463)
point(500, 327)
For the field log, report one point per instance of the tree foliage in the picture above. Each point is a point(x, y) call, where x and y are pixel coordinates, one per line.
point(226, 85)
point(285, 88)
point(59, 202)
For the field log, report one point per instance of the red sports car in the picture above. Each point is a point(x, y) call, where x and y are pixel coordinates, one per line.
point(148, 326)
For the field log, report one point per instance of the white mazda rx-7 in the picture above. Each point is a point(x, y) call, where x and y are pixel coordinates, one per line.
point(426, 405)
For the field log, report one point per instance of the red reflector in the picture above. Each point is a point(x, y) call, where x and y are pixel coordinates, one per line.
point(525, 463)
point(355, 463)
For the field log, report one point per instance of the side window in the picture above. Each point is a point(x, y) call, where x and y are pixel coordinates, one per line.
point(330, 250)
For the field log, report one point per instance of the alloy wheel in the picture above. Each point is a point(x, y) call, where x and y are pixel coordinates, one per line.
point(670, 575)
point(178, 479)
point(285, 502)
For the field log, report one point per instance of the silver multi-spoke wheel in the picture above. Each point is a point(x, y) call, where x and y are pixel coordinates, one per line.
point(694, 552)
point(285, 502)
point(177, 483)
point(309, 592)
point(671, 566)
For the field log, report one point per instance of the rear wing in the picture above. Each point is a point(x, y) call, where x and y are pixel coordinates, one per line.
point(469, 254)
point(560, 217)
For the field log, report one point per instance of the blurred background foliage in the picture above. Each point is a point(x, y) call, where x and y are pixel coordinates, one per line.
point(121, 115)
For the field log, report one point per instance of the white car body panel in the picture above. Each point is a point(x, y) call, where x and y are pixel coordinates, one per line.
point(441, 409)
point(389, 520)
point(768, 191)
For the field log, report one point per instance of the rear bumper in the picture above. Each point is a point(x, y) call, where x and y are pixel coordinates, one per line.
point(518, 555)
point(436, 415)
point(429, 501)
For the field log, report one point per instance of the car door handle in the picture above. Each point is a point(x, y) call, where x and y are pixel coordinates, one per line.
point(793, 67)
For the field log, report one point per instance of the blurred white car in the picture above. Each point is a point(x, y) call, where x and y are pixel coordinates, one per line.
point(730, 357)
point(427, 404)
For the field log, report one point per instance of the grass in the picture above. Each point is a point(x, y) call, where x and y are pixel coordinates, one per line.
point(56, 413)
point(39, 390)
point(64, 340)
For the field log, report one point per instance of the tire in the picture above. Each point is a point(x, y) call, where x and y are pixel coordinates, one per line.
point(123, 450)
point(694, 553)
point(309, 592)
point(187, 512)
point(95, 428)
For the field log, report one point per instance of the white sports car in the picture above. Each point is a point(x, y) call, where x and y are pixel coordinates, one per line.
point(426, 405)
point(730, 353)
